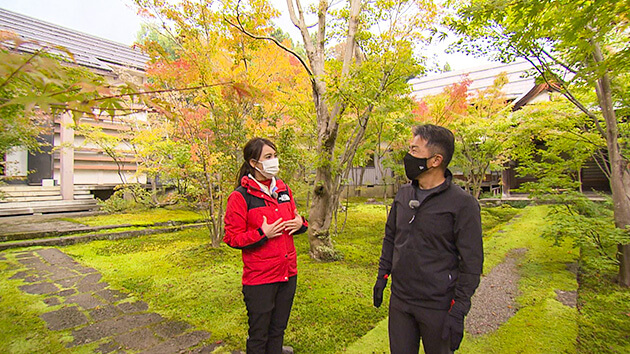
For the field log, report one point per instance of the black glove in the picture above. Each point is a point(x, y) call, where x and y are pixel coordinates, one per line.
point(381, 282)
point(454, 327)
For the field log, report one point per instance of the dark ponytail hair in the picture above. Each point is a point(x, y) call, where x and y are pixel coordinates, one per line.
point(252, 150)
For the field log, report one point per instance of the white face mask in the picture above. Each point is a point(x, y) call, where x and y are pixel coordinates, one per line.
point(270, 168)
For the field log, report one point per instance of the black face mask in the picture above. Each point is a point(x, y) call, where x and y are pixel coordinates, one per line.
point(415, 166)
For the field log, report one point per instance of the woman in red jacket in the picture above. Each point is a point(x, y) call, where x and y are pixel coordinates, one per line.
point(261, 219)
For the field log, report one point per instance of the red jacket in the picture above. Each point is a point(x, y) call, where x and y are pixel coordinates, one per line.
point(264, 260)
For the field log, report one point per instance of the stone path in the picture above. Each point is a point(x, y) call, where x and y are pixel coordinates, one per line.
point(96, 313)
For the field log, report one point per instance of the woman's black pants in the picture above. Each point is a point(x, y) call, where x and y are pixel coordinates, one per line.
point(268, 310)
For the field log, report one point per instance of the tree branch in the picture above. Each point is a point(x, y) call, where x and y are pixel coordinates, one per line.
point(242, 29)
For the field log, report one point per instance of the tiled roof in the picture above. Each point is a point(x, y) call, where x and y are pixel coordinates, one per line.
point(88, 51)
point(482, 77)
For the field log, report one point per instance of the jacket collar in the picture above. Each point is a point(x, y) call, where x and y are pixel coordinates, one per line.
point(442, 187)
point(255, 188)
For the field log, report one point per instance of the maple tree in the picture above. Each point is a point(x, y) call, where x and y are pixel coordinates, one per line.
point(239, 88)
point(478, 121)
point(359, 56)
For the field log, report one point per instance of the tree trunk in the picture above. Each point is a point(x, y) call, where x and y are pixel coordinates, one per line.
point(620, 176)
point(325, 187)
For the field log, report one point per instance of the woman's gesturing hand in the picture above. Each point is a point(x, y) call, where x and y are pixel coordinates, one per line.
point(294, 224)
point(272, 230)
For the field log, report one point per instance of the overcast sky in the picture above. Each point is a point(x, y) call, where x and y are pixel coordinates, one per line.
point(117, 20)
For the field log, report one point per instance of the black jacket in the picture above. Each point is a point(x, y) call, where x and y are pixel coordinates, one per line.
point(433, 252)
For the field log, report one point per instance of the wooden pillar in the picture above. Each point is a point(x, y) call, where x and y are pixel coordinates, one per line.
point(66, 157)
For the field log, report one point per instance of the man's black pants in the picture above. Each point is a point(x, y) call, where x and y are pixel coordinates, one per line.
point(408, 324)
point(268, 310)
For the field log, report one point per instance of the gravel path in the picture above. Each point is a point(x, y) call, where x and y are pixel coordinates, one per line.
point(494, 301)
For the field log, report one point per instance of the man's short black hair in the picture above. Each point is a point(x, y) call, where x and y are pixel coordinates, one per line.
point(439, 140)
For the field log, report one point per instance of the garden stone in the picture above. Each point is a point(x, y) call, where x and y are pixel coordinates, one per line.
point(39, 288)
point(119, 325)
point(24, 255)
point(138, 340)
point(65, 318)
point(130, 307)
point(68, 282)
point(66, 293)
point(62, 273)
point(171, 329)
point(104, 312)
point(29, 261)
point(86, 301)
point(20, 275)
point(567, 298)
point(91, 287)
point(52, 301)
point(112, 295)
point(180, 343)
point(108, 347)
point(84, 270)
point(56, 257)
point(90, 279)
point(33, 279)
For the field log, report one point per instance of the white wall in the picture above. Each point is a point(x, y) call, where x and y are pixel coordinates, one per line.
point(16, 162)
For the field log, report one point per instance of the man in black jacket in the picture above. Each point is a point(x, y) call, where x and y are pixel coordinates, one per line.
point(432, 249)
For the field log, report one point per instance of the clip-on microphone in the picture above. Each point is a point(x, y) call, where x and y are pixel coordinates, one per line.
point(413, 204)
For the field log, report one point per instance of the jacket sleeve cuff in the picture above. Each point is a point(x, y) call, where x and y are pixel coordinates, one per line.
point(256, 244)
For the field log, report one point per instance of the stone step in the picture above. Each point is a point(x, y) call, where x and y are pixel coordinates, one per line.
point(43, 207)
point(42, 198)
point(45, 203)
point(46, 192)
point(23, 188)
point(33, 198)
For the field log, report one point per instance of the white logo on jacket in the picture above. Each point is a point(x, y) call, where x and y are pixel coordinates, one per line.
point(284, 198)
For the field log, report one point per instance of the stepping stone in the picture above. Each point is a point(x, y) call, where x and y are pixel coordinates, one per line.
point(91, 287)
point(65, 318)
point(90, 279)
point(30, 261)
point(20, 275)
point(130, 307)
point(170, 329)
point(66, 293)
point(84, 270)
point(567, 298)
point(62, 273)
point(33, 279)
point(180, 343)
point(86, 301)
point(108, 347)
point(119, 325)
point(112, 295)
point(138, 340)
point(106, 312)
point(55, 256)
point(39, 288)
point(52, 301)
point(24, 255)
point(68, 282)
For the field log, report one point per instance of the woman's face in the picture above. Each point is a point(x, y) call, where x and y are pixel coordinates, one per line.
point(267, 153)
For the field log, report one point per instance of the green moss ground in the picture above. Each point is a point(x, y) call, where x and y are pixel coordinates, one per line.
point(182, 277)
point(138, 218)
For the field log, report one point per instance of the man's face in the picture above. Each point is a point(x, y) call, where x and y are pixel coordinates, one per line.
point(418, 148)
